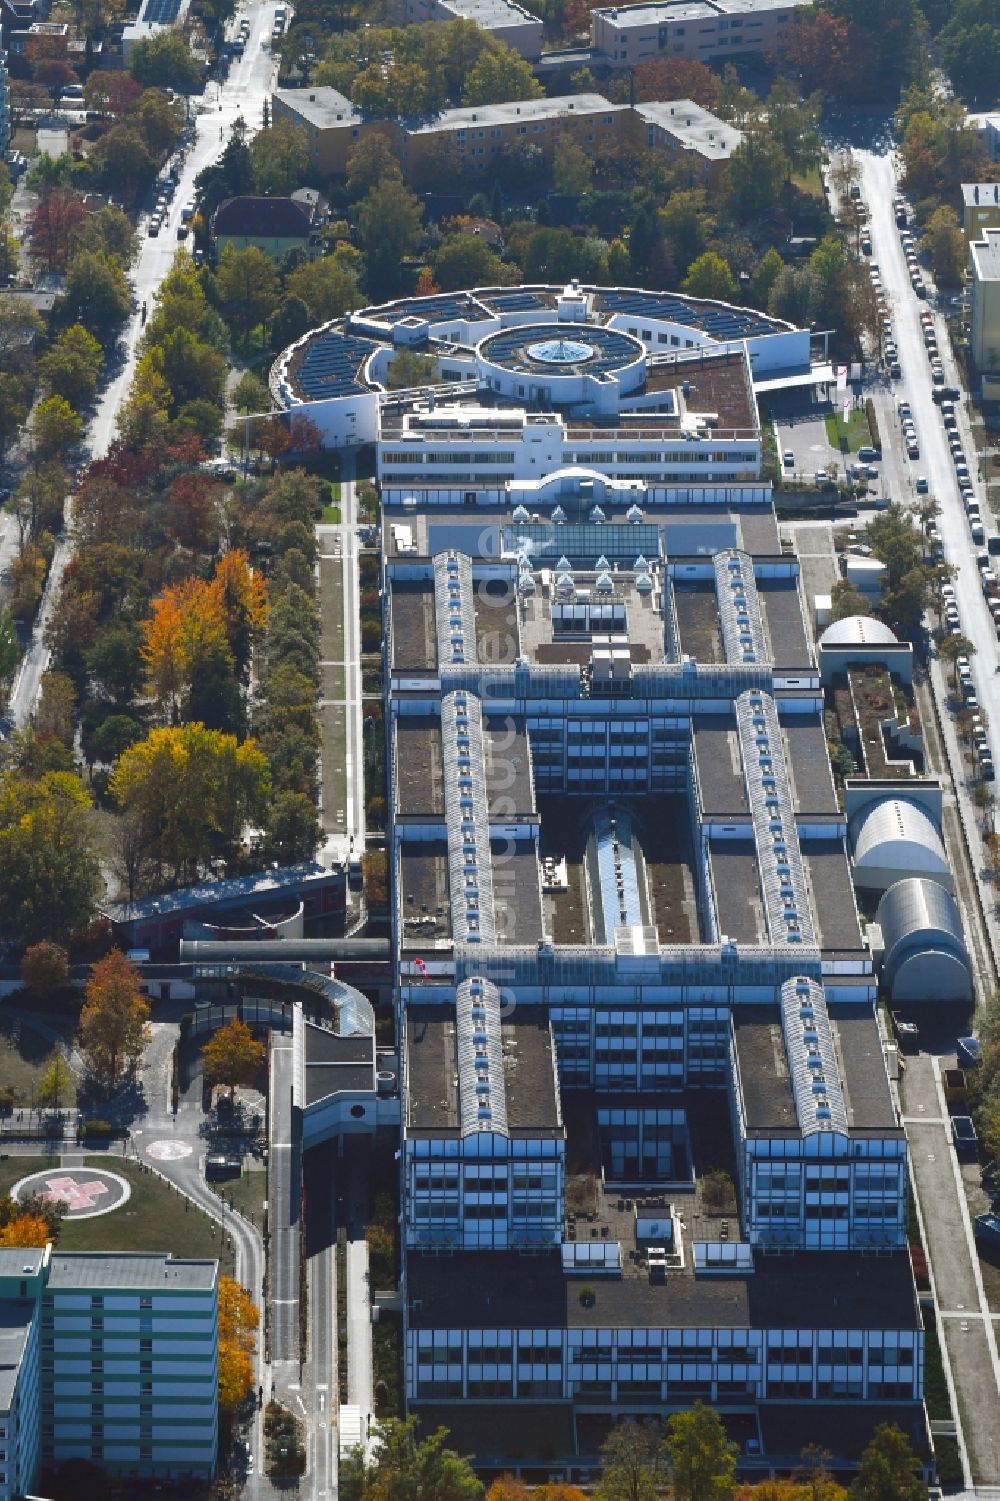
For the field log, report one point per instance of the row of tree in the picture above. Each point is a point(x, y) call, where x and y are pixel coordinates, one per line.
point(689, 1458)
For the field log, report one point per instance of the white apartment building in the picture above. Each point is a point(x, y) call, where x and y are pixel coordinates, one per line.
point(701, 30)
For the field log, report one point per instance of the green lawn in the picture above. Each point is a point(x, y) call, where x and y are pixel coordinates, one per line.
point(25, 1055)
point(330, 515)
point(810, 182)
point(246, 1193)
point(847, 438)
point(156, 1217)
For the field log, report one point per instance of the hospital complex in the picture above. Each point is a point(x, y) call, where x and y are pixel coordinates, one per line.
point(650, 1151)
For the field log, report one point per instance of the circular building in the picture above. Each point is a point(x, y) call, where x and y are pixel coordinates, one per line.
point(895, 839)
point(858, 630)
point(924, 953)
point(560, 364)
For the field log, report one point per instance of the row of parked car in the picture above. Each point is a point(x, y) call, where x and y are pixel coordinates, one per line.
point(909, 244)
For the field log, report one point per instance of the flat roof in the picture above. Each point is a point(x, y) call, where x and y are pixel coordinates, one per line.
point(739, 910)
point(492, 14)
point(720, 769)
point(808, 760)
point(986, 255)
point(419, 766)
point(514, 111)
point(323, 107)
point(696, 129)
point(835, 911)
point(424, 891)
point(414, 624)
point(659, 12)
point(516, 892)
point(432, 1069)
point(696, 607)
point(981, 194)
point(141, 1270)
point(767, 1092)
point(15, 1325)
point(820, 1290)
point(784, 627)
point(508, 766)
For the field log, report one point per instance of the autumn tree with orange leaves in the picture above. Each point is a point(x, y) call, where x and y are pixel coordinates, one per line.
point(200, 631)
point(238, 1322)
point(26, 1230)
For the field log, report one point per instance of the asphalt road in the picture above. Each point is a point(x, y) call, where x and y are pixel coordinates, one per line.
point(242, 95)
point(879, 186)
point(160, 1129)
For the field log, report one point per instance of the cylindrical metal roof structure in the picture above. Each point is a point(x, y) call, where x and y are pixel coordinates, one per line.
point(207, 951)
point(858, 630)
point(925, 955)
point(894, 839)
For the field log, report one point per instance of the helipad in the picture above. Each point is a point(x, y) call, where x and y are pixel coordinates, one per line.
point(84, 1192)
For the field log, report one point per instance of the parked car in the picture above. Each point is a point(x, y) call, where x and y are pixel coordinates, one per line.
point(868, 455)
point(788, 459)
point(922, 484)
point(986, 1227)
point(963, 1134)
point(970, 1051)
point(907, 1032)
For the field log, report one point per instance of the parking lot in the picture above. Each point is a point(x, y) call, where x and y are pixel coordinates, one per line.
point(801, 430)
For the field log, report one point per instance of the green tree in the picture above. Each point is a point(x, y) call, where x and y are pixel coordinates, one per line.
point(847, 601)
point(164, 61)
point(14, 406)
point(944, 242)
point(55, 1084)
point(55, 428)
point(250, 394)
point(411, 368)
point(97, 293)
point(247, 282)
point(572, 169)
point(388, 228)
point(758, 169)
point(632, 1463)
point(953, 647)
point(969, 46)
point(123, 163)
point(500, 74)
point(895, 542)
point(328, 287)
point(109, 229)
point(407, 1467)
point(466, 260)
point(293, 831)
point(10, 651)
point(289, 321)
point(72, 367)
point(279, 158)
point(710, 276)
point(702, 1460)
point(49, 874)
point(768, 270)
point(889, 1470)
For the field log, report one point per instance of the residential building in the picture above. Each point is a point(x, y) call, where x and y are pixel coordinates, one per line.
point(984, 263)
point(108, 1357)
point(274, 225)
point(503, 19)
point(700, 30)
point(332, 124)
point(980, 208)
point(466, 140)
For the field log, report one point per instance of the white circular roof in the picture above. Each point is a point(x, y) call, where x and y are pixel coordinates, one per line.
point(899, 834)
point(858, 630)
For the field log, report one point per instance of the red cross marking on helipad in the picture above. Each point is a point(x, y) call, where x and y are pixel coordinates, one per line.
point(74, 1195)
